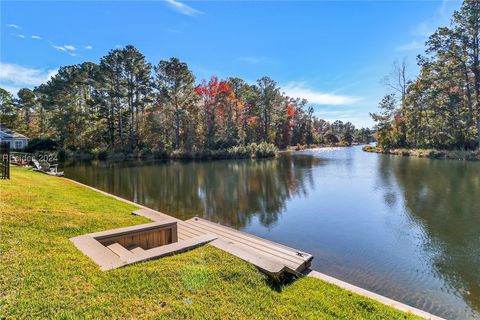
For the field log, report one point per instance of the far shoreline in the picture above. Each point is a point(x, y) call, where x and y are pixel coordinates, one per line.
point(463, 155)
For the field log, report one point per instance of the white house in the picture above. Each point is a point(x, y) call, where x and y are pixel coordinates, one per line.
point(14, 139)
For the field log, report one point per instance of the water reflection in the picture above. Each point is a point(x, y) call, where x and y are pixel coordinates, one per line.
point(229, 192)
point(443, 197)
point(407, 228)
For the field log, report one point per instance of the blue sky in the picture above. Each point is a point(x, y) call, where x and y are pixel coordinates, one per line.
point(334, 53)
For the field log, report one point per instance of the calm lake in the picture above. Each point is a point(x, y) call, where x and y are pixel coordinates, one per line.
point(406, 228)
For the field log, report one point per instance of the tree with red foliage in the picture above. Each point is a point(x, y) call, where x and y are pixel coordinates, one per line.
point(216, 98)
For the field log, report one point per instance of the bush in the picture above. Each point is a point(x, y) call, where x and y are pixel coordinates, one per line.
point(239, 152)
point(159, 152)
point(371, 149)
point(265, 150)
point(436, 154)
point(468, 155)
point(39, 144)
point(64, 154)
point(99, 153)
point(262, 150)
point(253, 150)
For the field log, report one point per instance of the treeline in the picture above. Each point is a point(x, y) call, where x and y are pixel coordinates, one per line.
point(124, 103)
point(441, 107)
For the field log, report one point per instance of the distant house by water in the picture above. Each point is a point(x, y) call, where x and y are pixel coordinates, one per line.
point(14, 139)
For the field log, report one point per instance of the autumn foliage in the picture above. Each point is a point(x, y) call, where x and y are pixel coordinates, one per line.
point(126, 104)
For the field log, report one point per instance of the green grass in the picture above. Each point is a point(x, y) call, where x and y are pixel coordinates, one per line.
point(42, 275)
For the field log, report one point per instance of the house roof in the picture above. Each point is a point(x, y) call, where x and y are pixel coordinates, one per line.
point(6, 133)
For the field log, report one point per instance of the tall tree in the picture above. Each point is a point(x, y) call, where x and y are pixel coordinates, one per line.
point(67, 97)
point(467, 23)
point(8, 116)
point(112, 86)
point(217, 101)
point(137, 83)
point(441, 108)
point(26, 103)
point(269, 98)
point(175, 84)
point(397, 81)
point(384, 121)
point(118, 105)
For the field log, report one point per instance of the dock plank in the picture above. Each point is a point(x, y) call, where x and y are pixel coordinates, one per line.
point(266, 263)
point(262, 244)
point(293, 260)
point(270, 257)
point(255, 247)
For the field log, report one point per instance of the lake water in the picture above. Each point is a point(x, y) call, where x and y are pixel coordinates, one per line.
point(406, 228)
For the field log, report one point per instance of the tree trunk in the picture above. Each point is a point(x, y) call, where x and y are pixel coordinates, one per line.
point(265, 125)
point(468, 93)
point(132, 119)
point(27, 117)
point(42, 120)
point(111, 125)
point(136, 117)
point(120, 123)
point(177, 128)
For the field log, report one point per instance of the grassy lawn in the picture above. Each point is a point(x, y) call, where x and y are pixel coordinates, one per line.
point(42, 275)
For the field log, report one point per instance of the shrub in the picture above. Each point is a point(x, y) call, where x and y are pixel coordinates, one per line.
point(160, 152)
point(99, 153)
point(262, 150)
point(64, 154)
point(39, 144)
point(371, 149)
point(265, 150)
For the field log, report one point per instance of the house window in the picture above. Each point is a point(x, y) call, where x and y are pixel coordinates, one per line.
point(18, 144)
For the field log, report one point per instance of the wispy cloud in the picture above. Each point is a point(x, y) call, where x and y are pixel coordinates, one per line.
point(60, 48)
point(65, 48)
point(14, 77)
point(182, 8)
point(412, 45)
point(301, 90)
point(15, 26)
point(68, 48)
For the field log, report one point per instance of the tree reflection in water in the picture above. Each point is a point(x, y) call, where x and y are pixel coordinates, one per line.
point(229, 192)
point(408, 228)
point(442, 196)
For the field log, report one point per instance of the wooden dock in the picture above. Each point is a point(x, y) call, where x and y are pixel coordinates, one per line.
point(270, 257)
